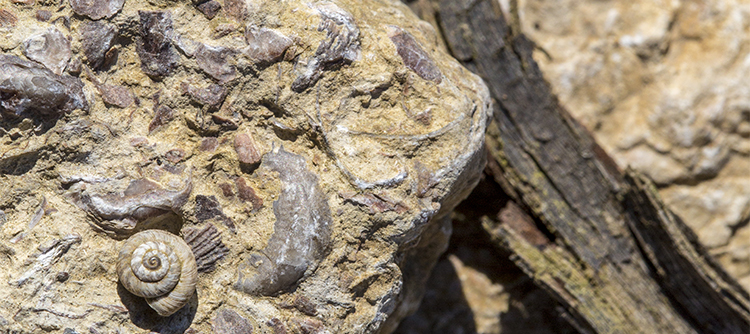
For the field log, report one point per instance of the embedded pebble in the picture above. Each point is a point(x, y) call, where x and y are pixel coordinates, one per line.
point(158, 57)
point(230, 322)
point(414, 56)
point(246, 148)
point(266, 45)
point(214, 61)
point(28, 87)
point(97, 9)
point(96, 39)
point(210, 8)
point(50, 48)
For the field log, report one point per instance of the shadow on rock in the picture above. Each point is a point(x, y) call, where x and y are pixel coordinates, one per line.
point(143, 316)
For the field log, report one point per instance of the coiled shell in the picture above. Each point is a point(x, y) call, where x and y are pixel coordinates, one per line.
point(160, 267)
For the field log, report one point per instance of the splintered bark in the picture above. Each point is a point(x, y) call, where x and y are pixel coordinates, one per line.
point(598, 239)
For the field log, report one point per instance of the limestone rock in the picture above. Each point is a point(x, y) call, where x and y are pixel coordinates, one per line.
point(663, 87)
point(309, 152)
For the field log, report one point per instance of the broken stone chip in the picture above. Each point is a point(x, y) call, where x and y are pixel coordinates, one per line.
point(28, 87)
point(96, 39)
point(96, 9)
point(214, 60)
point(265, 46)
point(158, 57)
point(414, 57)
point(49, 48)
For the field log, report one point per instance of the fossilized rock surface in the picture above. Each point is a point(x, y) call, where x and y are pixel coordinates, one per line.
point(663, 86)
point(308, 151)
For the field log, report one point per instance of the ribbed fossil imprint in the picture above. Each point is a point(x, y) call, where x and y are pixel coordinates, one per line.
point(160, 267)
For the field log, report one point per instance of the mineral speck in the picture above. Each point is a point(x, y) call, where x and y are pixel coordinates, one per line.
point(211, 95)
point(158, 57)
point(162, 116)
point(50, 48)
point(43, 15)
point(97, 9)
point(301, 234)
point(246, 193)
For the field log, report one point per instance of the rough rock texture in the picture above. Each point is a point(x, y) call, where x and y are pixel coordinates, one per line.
point(357, 137)
point(663, 86)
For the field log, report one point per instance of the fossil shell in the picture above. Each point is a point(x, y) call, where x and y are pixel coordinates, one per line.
point(160, 267)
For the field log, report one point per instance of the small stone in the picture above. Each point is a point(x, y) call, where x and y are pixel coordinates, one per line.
point(50, 48)
point(214, 61)
point(212, 95)
point(162, 116)
point(62, 276)
point(236, 9)
point(226, 190)
point(116, 95)
point(230, 322)
point(246, 148)
point(207, 208)
point(223, 29)
point(175, 155)
point(96, 39)
point(158, 57)
point(97, 9)
point(209, 144)
point(414, 57)
point(266, 46)
point(209, 8)
point(43, 15)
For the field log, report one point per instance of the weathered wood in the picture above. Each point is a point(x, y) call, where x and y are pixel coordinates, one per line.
point(599, 240)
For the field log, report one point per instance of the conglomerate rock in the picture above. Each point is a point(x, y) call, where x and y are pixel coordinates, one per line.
point(309, 151)
point(663, 86)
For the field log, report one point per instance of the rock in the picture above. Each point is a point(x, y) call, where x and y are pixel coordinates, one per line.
point(27, 87)
point(96, 39)
point(97, 9)
point(230, 322)
point(246, 148)
point(265, 45)
point(158, 57)
point(311, 165)
point(215, 61)
point(302, 230)
point(663, 93)
point(50, 48)
point(210, 8)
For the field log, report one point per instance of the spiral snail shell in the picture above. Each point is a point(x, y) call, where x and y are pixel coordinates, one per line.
point(160, 267)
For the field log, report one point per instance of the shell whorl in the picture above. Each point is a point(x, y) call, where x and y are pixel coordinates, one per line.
point(160, 267)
